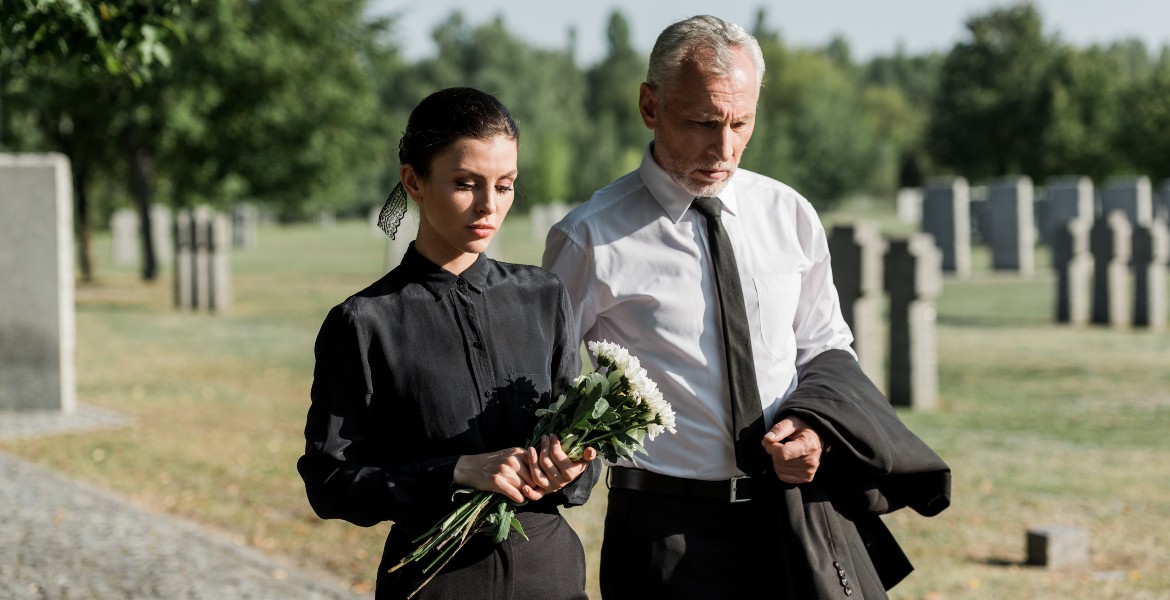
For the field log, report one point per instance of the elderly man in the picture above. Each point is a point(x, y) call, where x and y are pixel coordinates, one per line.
point(718, 279)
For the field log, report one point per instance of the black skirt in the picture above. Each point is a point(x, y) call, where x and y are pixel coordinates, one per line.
point(549, 565)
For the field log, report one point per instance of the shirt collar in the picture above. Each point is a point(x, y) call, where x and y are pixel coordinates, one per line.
point(439, 281)
point(671, 196)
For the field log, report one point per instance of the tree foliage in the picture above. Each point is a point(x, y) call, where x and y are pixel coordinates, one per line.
point(299, 105)
point(123, 38)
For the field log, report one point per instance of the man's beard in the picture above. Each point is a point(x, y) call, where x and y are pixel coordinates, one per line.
point(700, 189)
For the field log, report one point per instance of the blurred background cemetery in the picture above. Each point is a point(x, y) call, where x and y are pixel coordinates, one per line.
point(187, 187)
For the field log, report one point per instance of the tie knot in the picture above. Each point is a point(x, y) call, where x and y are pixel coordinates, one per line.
point(709, 206)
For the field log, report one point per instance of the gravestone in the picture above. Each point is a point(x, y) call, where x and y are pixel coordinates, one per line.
point(857, 252)
point(1151, 255)
point(1057, 546)
point(202, 260)
point(1012, 227)
point(124, 237)
point(1130, 195)
point(909, 205)
point(542, 217)
point(980, 220)
point(946, 216)
point(245, 221)
point(1162, 202)
point(913, 280)
point(1073, 265)
point(1068, 198)
point(37, 326)
point(1110, 241)
point(162, 226)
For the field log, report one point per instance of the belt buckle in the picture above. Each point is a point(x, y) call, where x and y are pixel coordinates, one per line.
point(734, 485)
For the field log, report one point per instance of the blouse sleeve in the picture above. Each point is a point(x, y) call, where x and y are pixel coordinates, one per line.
point(346, 474)
point(566, 367)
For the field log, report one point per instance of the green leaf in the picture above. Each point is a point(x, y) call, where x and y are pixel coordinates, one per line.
point(518, 528)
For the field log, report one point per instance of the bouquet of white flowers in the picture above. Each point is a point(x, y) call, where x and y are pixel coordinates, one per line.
point(611, 409)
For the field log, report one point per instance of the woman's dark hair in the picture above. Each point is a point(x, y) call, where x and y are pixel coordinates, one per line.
point(437, 122)
point(449, 115)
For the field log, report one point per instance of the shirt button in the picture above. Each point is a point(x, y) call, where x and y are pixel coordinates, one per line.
point(489, 393)
point(461, 282)
point(477, 344)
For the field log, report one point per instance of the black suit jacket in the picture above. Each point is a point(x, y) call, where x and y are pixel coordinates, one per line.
point(876, 465)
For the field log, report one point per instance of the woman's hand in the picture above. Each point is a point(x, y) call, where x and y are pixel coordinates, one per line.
point(552, 469)
point(507, 471)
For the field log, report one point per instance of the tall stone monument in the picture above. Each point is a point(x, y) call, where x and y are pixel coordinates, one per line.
point(1110, 241)
point(37, 332)
point(1151, 254)
point(946, 216)
point(1012, 225)
point(1132, 196)
point(913, 279)
point(1068, 198)
point(1073, 265)
point(857, 250)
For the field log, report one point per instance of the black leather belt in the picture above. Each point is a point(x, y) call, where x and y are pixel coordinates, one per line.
point(736, 489)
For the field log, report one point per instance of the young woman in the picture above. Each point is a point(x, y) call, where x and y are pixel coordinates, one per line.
point(427, 381)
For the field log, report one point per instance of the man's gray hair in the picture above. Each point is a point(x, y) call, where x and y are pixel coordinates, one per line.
point(679, 43)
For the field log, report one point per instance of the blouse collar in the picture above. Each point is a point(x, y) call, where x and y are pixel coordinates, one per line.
point(439, 281)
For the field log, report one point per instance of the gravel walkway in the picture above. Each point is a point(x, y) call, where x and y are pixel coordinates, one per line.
point(61, 539)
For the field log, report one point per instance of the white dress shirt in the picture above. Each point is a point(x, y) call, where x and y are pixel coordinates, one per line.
point(636, 264)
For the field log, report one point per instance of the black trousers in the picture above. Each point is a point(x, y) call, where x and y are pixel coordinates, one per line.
point(660, 546)
point(549, 565)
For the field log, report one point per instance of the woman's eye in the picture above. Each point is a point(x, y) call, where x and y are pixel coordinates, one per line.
point(504, 189)
point(464, 185)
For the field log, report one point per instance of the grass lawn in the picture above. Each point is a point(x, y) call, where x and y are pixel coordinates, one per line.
point(1042, 424)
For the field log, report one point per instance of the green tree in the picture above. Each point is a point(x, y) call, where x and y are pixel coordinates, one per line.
point(1142, 133)
point(989, 115)
point(617, 136)
point(1082, 96)
point(263, 103)
point(542, 89)
point(123, 38)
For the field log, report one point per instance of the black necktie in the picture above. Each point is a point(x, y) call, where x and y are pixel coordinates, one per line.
point(747, 416)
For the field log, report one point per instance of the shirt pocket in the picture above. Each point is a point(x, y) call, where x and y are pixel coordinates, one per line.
point(775, 303)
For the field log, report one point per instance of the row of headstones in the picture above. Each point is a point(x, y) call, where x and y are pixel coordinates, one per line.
point(1011, 217)
point(202, 260)
point(1111, 272)
point(866, 267)
point(126, 238)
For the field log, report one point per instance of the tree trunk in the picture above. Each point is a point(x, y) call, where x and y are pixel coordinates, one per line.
point(81, 220)
point(141, 172)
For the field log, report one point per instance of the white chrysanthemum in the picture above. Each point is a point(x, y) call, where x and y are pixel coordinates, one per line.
point(614, 354)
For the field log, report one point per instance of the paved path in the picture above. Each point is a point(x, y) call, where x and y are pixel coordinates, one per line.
point(60, 539)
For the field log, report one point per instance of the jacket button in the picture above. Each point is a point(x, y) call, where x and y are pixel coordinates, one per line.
point(848, 592)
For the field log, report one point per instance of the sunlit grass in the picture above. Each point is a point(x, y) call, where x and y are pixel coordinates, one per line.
point(1041, 423)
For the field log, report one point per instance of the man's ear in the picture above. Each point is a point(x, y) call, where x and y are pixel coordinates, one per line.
point(411, 182)
point(648, 105)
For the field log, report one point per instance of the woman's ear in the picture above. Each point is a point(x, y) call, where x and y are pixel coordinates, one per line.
point(411, 182)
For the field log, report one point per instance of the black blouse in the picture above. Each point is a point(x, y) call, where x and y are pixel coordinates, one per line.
point(422, 367)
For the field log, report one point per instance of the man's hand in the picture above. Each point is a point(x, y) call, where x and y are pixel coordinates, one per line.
point(795, 449)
